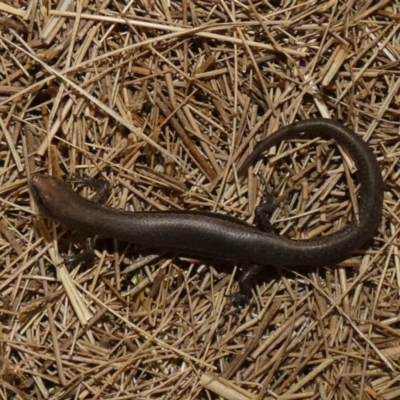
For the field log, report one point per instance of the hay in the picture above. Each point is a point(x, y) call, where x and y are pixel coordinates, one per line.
point(164, 99)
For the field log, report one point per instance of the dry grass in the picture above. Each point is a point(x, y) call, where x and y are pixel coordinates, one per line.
point(164, 99)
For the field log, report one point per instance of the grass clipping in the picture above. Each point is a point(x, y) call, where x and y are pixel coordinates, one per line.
point(164, 99)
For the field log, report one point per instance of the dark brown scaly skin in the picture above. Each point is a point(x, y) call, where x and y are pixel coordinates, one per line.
point(221, 237)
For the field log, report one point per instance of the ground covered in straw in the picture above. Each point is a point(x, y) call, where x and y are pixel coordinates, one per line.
point(164, 99)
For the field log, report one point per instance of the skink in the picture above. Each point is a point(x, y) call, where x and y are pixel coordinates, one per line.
point(216, 236)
